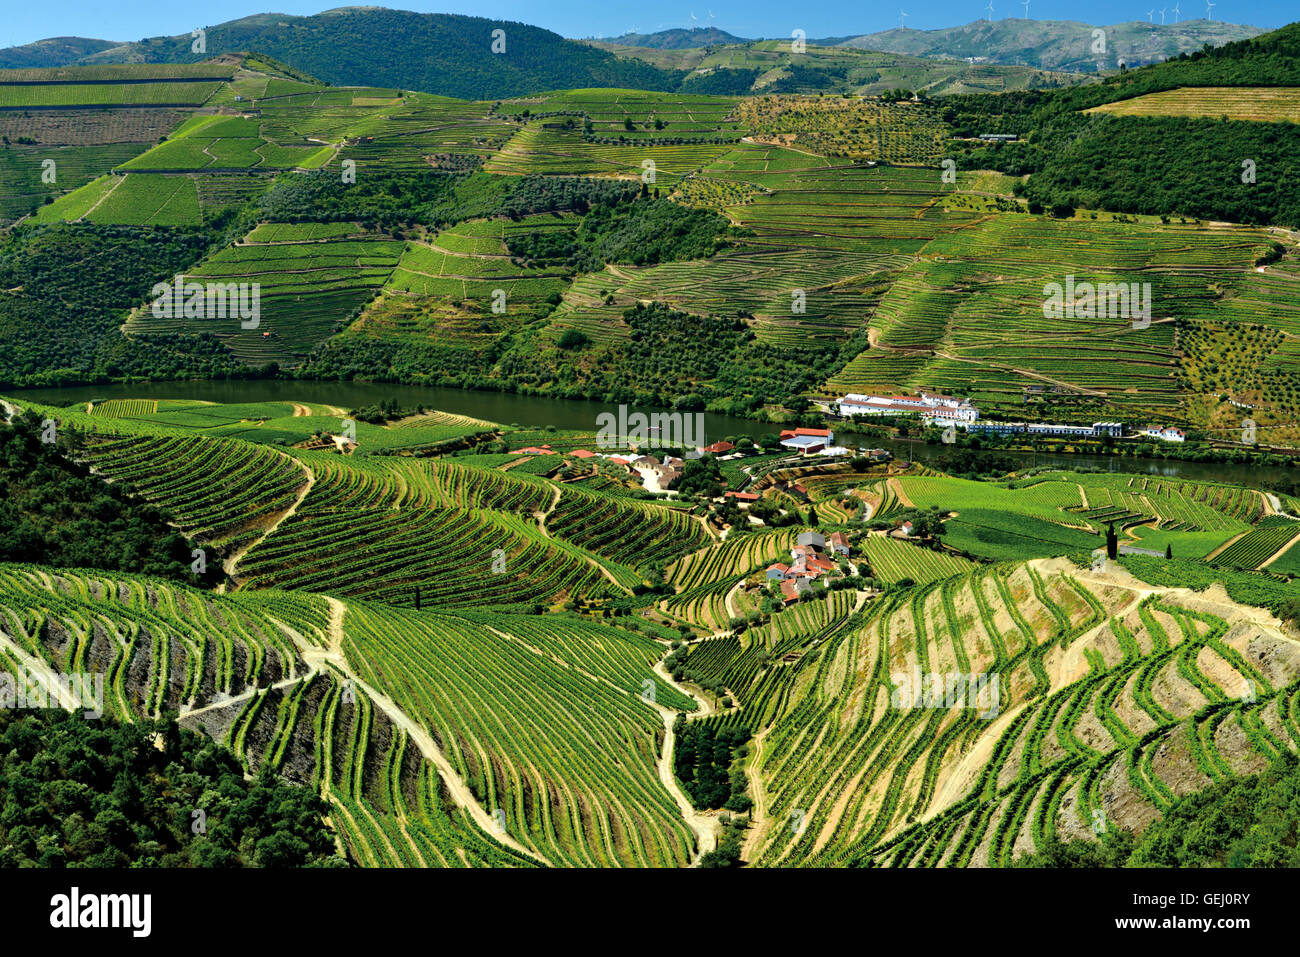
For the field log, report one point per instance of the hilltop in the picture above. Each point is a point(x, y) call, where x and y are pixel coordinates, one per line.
point(55, 51)
point(678, 39)
point(374, 46)
point(772, 66)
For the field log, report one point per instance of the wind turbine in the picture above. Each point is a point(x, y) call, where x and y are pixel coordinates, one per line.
point(1209, 9)
point(1175, 13)
point(989, 8)
point(1025, 4)
point(1150, 14)
point(1162, 15)
point(901, 17)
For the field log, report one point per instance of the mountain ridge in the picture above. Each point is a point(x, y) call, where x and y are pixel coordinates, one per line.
point(1054, 44)
point(449, 54)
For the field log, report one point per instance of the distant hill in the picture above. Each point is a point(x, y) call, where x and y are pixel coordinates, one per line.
point(678, 39)
point(373, 46)
point(1055, 44)
point(770, 66)
point(56, 51)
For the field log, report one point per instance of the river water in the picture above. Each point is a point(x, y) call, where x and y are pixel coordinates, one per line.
point(540, 411)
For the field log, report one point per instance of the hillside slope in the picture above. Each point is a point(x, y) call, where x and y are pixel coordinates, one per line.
point(436, 53)
point(55, 51)
point(678, 39)
point(1057, 44)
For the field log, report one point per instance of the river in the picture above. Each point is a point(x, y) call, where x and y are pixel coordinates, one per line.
point(539, 411)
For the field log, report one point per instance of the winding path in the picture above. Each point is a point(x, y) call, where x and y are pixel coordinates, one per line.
point(230, 563)
point(333, 656)
point(705, 824)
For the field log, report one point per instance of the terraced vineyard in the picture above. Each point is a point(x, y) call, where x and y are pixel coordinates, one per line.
point(569, 759)
point(253, 670)
point(1259, 104)
point(893, 561)
point(226, 143)
point(1098, 689)
point(977, 296)
point(735, 557)
point(255, 483)
point(485, 645)
point(305, 288)
point(946, 280)
point(1256, 548)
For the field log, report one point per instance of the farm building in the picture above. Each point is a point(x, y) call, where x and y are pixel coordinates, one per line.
point(931, 405)
point(807, 441)
point(1096, 430)
point(795, 589)
point(1166, 434)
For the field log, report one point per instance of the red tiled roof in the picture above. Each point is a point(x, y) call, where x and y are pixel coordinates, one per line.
point(582, 454)
point(743, 496)
point(719, 447)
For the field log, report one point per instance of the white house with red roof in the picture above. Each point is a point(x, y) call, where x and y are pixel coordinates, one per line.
point(1166, 434)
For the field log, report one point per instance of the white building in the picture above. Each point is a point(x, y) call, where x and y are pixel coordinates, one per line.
point(1166, 434)
point(931, 405)
point(1093, 431)
point(1076, 431)
point(807, 441)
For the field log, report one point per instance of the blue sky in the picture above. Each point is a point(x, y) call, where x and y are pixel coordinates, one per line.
point(24, 22)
